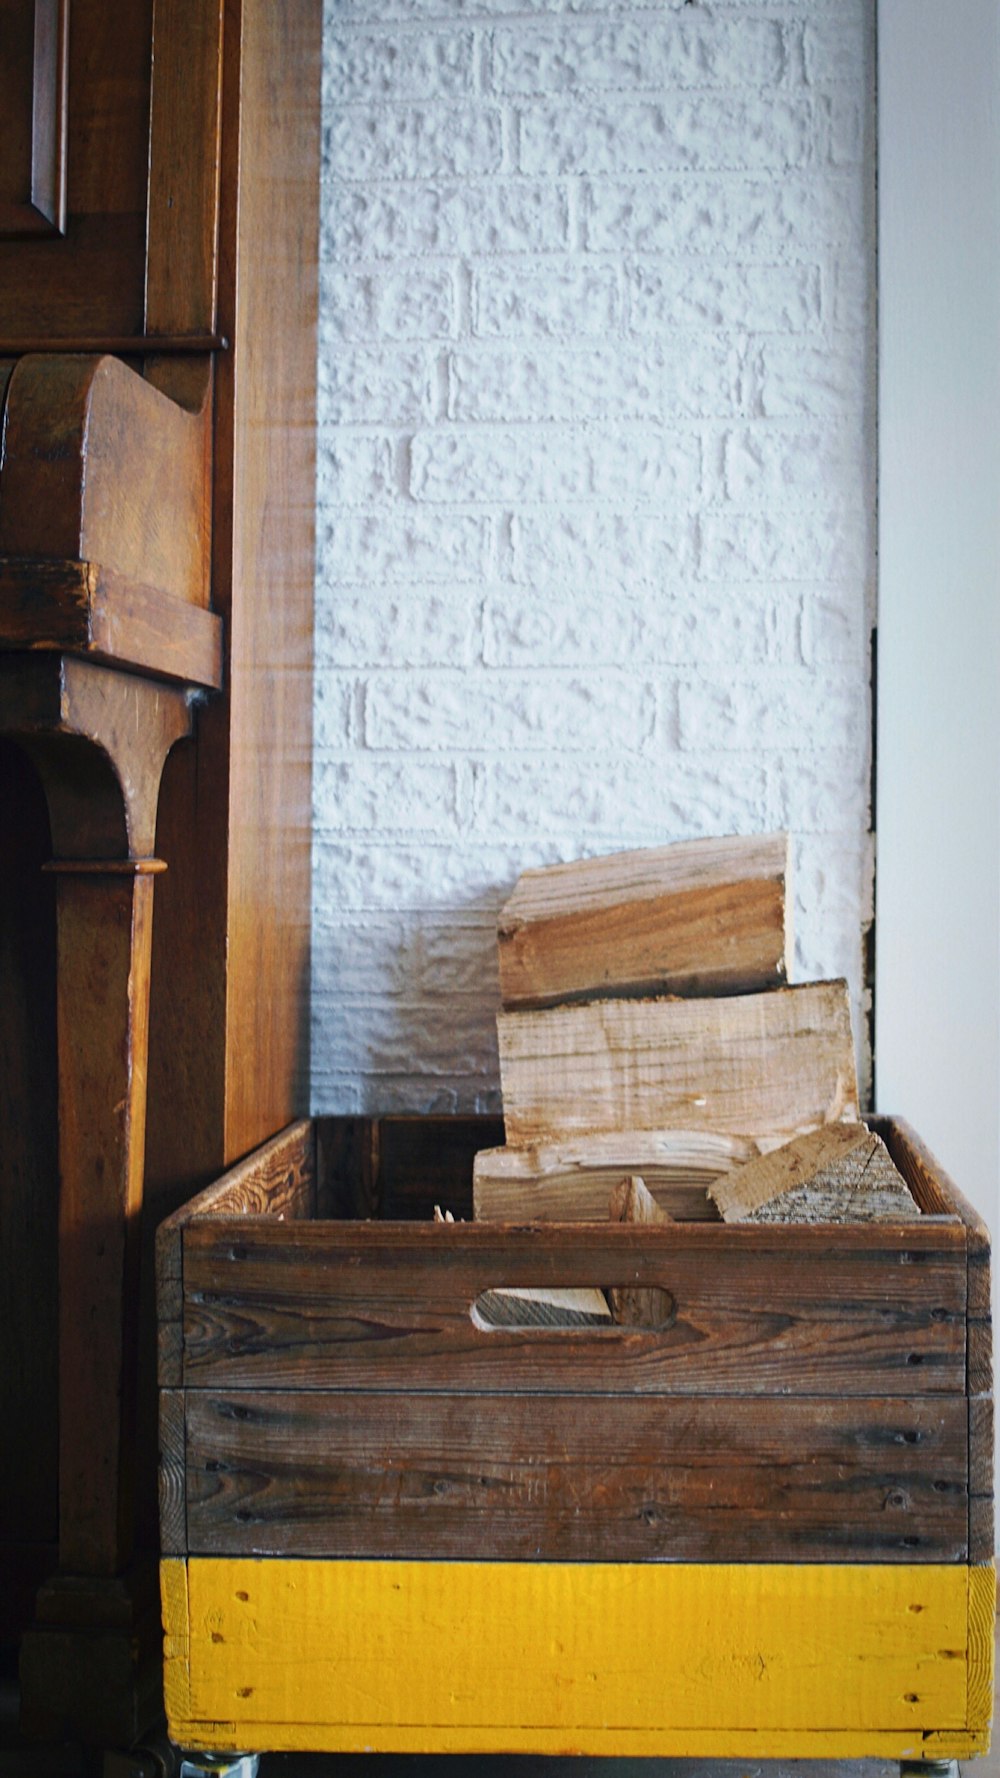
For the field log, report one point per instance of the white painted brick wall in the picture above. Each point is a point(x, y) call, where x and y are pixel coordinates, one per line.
point(596, 484)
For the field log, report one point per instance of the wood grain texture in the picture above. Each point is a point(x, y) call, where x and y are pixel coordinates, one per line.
point(266, 442)
point(185, 158)
point(566, 1657)
point(758, 1310)
point(933, 1188)
point(90, 280)
point(981, 1485)
point(33, 118)
point(171, 1474)
point(104, 935)
point(552, 1478)
point(81, 606)
point(756, 1064)
point(702, 917)
point(100, 467)
point(838, 1173)
point(631, 1202)
point(569, 1181)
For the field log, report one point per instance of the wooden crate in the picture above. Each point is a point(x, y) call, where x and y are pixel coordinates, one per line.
point(763, 1529)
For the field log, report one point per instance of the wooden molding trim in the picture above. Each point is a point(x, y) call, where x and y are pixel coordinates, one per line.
point(86, 608)
point(44, 211)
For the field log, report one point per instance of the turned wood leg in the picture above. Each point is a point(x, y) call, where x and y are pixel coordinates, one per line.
point(99, 738)
point(104, 915)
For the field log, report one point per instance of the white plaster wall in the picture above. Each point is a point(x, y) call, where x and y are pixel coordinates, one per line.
point(595, 561)
point(938, 1025)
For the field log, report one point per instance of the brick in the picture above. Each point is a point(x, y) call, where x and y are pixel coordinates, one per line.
point(631, 54)
point(415, 302)
point(836, 628)
point(412, 626)
point(352, 469)
point(332, 712)
point(372, 386)
point(387, 795)
point(384, 876)
point(630, 380)
point(391, 65)
point(704, 131)
point(847, 125)
point(612, 802)
point(816, 792)
point(770, 465)
point(666, 294)
point(368, 954)
point(807, 712)
point(828, 380)
point(698, 626)
point(551, 465)
point(839, 45)
point(413, 142)
point(854, 293)
point(394, 546)
point(571, 299)
point(539, 711)
point(389, 221)
point(798, 545)
point(619, 551)
point(739, 216)
point(409, 1034)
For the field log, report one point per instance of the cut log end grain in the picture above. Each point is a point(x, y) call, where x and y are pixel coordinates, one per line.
point(700, 917)
point(842, 1173)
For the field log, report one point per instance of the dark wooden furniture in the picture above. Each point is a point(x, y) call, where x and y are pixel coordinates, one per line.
point(335, 1397)
point(158, 218)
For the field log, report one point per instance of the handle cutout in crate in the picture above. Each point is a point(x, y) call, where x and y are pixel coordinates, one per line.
point(617, 1308)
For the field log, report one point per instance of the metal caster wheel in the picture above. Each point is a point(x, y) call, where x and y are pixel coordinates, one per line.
point(219, 1765)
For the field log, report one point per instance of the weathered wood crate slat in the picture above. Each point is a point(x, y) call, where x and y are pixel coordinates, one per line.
point(346, 1436)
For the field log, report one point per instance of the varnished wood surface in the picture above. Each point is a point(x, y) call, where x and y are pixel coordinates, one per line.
point(767, 1065)
point(29, 1171)
point(33, 118)
point(89, 281)
point(184, 167)
point(83, 606)
point(317, 1305)
point(101, 467)
point(540, 1478)
point(699, 917)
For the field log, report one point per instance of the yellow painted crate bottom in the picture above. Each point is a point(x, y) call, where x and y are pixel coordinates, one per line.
point(763, 1660)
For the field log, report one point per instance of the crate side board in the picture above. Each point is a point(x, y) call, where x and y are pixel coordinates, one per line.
point(557, 1478)
point(933, 1186)
point(857, 1310)
point(277, 1180)
point(782, 1659)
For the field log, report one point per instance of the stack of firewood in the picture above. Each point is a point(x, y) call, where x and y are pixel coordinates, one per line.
point(654, 1060)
